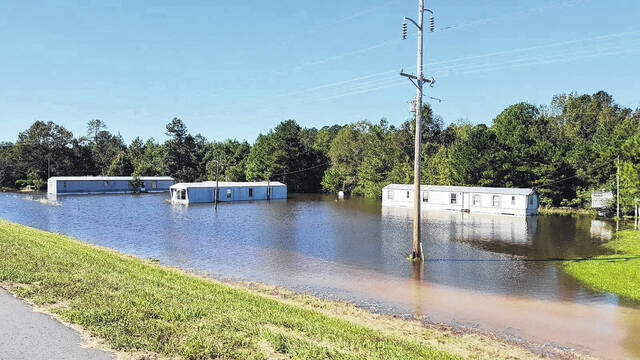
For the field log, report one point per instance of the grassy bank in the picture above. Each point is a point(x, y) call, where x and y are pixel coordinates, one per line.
point(136, 306)
point(565, 211)
point(618, 273)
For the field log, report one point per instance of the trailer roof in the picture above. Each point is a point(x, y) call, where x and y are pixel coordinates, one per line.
point(211, 184)
point(465, 189)
point(108, 178)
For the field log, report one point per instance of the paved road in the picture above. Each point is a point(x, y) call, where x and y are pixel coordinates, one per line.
point(25, 334)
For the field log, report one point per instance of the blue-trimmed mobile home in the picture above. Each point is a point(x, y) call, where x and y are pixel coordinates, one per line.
point(61, 185)
point(204, 192)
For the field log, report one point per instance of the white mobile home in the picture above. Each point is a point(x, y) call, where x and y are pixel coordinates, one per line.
point(61, 185)
point(488, 200)
point(204, 192)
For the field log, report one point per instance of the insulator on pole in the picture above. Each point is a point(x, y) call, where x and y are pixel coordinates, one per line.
point(404, 30)
point(432, 23)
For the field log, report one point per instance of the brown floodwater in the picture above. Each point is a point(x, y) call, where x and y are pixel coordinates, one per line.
point(493, 273)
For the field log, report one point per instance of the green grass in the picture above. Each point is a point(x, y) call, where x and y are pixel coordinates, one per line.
point(139, 306)
point(565, 211)
point(617, 273)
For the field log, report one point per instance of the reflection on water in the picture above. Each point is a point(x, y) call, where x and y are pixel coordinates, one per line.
point(485, 270)
point(601, 230)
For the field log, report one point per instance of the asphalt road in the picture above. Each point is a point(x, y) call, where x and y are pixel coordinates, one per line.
point(25, 334)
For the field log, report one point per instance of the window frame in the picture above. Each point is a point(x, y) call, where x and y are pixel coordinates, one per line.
point(408, 197)
point(389, 194)
point(181, 194)
point(453, 199)
point(476, 197)
point(425, 196)
point(228, 193)
point(250, 192)
point(493, 201)
point(513, 200)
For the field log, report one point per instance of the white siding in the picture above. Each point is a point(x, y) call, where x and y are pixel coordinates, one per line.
point(508, 204)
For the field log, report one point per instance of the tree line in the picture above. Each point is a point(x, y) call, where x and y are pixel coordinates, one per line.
point(566, 150)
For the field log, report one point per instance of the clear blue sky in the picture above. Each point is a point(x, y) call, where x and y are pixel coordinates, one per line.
point(235, 69)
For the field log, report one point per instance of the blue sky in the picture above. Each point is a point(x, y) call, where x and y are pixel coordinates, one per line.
point(234, 69)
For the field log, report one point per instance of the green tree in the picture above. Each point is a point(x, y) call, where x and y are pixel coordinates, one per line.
point(282, 155)
point(184, 153)
point(120, 166)
point(347, 153)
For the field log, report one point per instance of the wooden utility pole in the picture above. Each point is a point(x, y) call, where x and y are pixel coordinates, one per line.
point(417, 254)
point(269, 187)
point(618, 187)
point(217, 191)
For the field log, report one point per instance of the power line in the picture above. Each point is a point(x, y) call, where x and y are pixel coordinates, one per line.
point(372, 77)
point(302, 170)
point(509, 15)
point(568, 178)
point(446, 28)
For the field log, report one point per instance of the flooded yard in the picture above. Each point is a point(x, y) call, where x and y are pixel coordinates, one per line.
point(495, 273)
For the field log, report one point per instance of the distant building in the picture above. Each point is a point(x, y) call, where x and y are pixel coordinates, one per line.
point(488, 200)
point(600, 200)
point(204, 192)
point(61, 185)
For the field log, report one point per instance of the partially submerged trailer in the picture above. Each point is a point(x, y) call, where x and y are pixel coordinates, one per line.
point(488, 200)
point(204, 192)
point(61, 185)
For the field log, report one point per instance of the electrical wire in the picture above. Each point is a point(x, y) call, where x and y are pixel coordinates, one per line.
point(299, 171)
point(567, 178)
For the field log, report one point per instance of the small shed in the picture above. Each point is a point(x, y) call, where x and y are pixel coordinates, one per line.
point(488, 200)
point(204, 192)
point(600, 200)
point(61, 185)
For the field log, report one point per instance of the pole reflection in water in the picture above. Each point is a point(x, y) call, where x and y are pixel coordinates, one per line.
point(418, 269)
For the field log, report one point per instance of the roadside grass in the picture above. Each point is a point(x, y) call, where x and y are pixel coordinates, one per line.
point(138, 306)
point(617, 273)
point(565, 211)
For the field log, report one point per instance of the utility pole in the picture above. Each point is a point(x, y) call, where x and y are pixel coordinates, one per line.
point(417, 254)
point(618, 187)
point(217, 191)
point(268, 186)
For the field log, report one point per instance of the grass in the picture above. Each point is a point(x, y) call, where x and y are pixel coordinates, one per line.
point(137, 306)
point(565, 211)
point(617, 273)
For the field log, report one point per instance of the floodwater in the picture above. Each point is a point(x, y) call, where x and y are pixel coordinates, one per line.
point(494, 273)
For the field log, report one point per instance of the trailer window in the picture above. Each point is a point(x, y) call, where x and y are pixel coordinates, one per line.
point(228, 193)
point(407, 194)
point(250, 192)
point(181, 194)
point(513, 200)
point(530, 200)
point(106, 183)
point(154, 184)
point(476, 200)
point(496, 200)
point(425, 196)
point(64, 184)
point(454, 198)
point(390, 195)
